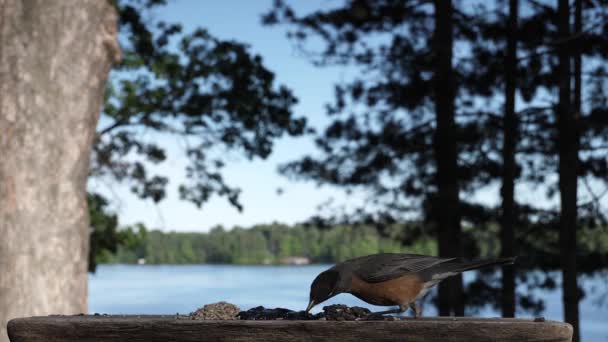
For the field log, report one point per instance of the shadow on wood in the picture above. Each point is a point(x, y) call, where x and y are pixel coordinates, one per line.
point(171, 328)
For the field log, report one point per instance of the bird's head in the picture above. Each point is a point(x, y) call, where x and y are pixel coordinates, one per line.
point(324, 287)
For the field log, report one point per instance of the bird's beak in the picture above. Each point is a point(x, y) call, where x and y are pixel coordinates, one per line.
point(310, 305)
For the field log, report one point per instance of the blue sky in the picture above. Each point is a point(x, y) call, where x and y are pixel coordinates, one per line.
point(241, 20)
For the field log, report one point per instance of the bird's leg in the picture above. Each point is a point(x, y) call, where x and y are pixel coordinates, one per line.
point(400, 309)
point(417, 309)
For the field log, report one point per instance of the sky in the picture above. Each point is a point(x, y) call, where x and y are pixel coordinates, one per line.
point(259, 180)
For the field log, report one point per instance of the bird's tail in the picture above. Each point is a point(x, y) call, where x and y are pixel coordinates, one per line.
point(455, 266)
point(475, 264)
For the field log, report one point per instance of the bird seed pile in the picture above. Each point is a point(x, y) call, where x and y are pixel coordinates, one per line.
point(337, 312)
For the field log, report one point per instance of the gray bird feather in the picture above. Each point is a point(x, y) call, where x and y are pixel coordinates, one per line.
point(386, 266)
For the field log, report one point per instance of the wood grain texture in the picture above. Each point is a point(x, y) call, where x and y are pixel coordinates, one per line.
point(168, 328)
point(55, 57)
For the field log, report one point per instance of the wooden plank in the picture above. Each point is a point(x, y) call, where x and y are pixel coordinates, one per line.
point(169, 328)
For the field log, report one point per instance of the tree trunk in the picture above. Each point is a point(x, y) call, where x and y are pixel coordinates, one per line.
point(578, 28)
point(55, 56)
point(568, 145)
point(507, 232)
point(451, 299)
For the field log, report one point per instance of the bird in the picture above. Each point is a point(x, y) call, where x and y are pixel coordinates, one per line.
point(391, 279)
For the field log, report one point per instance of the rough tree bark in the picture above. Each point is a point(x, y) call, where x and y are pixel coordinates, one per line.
point(451, 299)
point(507, 231)
point(55, 56)
point(578, 28)
point(568, 146)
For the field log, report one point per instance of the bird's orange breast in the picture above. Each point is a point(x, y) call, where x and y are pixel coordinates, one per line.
point(398, 291)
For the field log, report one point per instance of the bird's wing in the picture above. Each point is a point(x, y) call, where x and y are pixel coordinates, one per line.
point(382, 267)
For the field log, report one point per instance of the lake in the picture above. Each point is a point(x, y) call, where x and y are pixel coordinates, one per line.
point(170, 289)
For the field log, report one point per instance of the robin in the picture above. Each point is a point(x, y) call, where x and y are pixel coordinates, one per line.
point(389, 279)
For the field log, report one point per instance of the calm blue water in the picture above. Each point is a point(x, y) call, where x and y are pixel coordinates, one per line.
point(131, 289)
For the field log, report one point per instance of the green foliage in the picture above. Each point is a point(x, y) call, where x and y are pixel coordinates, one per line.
point(382, 129)
point(214, 94)
point(383, 137)
point(271, 244)
point(106, 237)
point(266, 244)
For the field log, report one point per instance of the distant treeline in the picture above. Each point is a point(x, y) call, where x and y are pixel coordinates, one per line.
point(264, 244)
point(274, 243)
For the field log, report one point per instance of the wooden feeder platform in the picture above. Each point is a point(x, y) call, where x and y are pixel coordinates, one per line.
point(178, 328)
